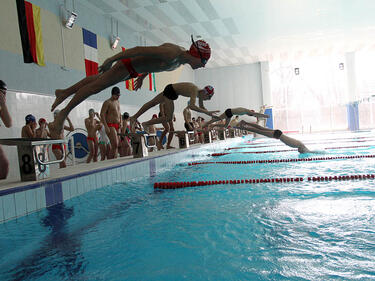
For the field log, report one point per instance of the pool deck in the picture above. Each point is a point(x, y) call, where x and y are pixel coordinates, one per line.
point(91, 167)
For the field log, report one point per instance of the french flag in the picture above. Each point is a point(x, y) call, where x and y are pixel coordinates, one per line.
point(90, 46)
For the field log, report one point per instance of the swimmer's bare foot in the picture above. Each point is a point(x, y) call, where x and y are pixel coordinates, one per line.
point(170, 147)
point(60, 97)
point(159, 145)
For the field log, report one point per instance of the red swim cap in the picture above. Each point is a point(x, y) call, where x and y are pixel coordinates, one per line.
point(154, 116)
point(42, 120)
point(209, 90)
point(200, 47)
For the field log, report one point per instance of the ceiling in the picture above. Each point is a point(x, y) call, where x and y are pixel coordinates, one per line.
point(247, 31)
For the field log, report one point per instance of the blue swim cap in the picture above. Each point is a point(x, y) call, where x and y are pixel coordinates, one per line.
point(29, 118)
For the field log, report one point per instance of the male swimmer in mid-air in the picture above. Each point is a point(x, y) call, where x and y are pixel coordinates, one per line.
point(255, 128)
point(169, 95)
point(135, 62)
point(228, 114)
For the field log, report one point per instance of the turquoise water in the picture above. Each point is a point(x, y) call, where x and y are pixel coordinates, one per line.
point(267, 231)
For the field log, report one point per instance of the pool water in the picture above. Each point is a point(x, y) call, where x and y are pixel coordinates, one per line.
point(266, 231)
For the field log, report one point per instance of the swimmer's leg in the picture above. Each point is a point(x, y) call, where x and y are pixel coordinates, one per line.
point(103, 81)
point(255, 128)
point(62, 94)
point(155, 101)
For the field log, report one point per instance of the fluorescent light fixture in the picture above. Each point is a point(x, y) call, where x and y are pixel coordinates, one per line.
point(114, 42)
point(70, 22)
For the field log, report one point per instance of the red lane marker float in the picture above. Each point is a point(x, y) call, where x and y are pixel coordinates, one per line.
point(218, 154)
point(343, 147)
point(175, 185)
point(285, 150)
point(252, 152)
point(285, 160)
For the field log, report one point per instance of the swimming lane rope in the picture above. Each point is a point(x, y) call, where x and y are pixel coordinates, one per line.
point(284, 160)
point(263, 146)
point(174, 185)
point(285, 150)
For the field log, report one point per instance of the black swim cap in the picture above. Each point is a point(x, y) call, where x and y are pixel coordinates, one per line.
point(116, 91)
point(3, 86)
point(125, 115)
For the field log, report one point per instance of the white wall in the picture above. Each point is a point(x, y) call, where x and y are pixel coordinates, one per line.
point(21, 103)
point(235, 86)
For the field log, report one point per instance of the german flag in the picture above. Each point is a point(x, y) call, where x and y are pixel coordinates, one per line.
point(31, 32)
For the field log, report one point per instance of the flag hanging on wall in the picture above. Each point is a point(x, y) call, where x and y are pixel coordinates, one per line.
point(151, 78)
point(31, 32)
point(90, 47)
point(129, 84)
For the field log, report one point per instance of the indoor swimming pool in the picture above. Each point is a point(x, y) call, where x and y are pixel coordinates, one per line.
point(319, 227)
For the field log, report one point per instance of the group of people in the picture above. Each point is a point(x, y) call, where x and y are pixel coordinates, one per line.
point(30, 131)
point(115, 128)
point(108, 124)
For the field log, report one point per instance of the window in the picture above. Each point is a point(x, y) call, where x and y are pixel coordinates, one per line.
point(315, 99)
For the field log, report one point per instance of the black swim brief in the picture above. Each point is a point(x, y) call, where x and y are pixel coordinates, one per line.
point(228, 113)
point(170, 93)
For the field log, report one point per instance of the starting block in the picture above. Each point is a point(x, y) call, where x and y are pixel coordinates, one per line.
point(232, 133)
point(33, 156)
point(139, 145)
point(207, 136)
point(148, 137)
point(222, 134)
point(191, 135)
point(183, 139)
point(238, 133)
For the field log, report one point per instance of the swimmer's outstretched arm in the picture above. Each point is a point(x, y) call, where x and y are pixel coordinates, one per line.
point(294, 143)
point(205, 111)
point(214, 119)
point(255, 128)
point(245, 111)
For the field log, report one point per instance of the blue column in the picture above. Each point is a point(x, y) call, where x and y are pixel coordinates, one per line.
point(353, 117)
point(269, 123)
